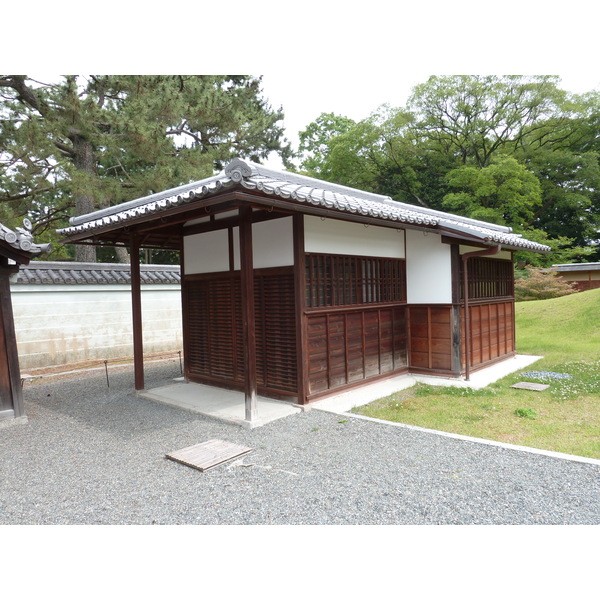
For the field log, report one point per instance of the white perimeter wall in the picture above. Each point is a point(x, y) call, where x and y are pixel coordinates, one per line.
point(428, 269)
point(63, 324)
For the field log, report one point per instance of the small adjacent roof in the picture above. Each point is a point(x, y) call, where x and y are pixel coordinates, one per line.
point(295, 190)
point(577, 267)
point(73, 273)
point(18, 245)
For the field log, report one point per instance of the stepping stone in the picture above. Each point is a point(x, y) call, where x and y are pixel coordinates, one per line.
point(536, 387)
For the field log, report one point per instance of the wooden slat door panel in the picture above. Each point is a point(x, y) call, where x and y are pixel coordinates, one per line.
point(276, 331)
point(214, 335)
point(214, 344)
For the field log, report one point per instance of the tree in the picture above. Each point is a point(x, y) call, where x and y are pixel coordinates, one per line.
point(87, 142)
point(570, 184)
point(509, 149)
point(504, 192)
point(474, 117)
point(541, 284)
point(315, 141)
point(379, 154)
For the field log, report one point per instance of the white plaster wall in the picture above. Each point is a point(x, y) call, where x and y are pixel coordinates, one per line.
point(57, 325)
point(273, 244)
point(342, 237)
point(428, 269)
point(206, 252)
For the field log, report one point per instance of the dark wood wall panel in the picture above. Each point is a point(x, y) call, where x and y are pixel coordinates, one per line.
point(492, 332)
point(584, 286)
point(318, 353)
point(345, 347)
point(430, 337)
point(488, 278)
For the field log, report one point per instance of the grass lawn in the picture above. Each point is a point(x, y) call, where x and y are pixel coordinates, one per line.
point(563, 418)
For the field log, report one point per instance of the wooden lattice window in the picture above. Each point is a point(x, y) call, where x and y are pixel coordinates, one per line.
point(336, 280)
point(488, 278)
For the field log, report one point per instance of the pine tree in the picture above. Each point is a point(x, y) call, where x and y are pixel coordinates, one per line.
point(86, 142)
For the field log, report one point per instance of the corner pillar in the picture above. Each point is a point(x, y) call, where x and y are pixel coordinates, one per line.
point(136, 312)
point(248, 316)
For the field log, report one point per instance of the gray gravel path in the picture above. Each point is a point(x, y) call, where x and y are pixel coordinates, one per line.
point(96, 455)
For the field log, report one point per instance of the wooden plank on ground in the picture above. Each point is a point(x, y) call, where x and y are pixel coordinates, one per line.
point(536, 387)
point(208, 454)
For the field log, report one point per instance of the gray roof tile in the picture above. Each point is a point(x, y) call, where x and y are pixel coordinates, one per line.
point(67, 273)
point(22, 240)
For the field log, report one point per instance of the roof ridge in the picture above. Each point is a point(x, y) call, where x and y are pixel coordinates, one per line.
point(89, 266)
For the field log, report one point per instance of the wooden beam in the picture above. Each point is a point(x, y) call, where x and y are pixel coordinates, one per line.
point(248, 316)
point(136, 311)
point(258, 216)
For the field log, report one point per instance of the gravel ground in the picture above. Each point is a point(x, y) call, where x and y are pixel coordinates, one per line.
point(90, 454)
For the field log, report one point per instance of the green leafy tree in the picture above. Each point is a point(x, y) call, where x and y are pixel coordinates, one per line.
point(86, 142)
point(514, 150)
point(562, 251)
point(472, 117)
point(315, 142)
point(504, 192)
point(378, 154)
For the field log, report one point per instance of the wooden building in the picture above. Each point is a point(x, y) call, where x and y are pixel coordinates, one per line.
point(16, 248)
point(297, 288)
point(584, 276)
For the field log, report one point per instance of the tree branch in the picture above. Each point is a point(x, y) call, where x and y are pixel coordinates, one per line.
point(25, 93)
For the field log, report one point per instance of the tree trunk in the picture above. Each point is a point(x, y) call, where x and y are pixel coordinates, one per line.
point(122, 254)
point(84, 160)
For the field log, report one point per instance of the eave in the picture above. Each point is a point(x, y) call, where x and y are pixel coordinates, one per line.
point(157, 220)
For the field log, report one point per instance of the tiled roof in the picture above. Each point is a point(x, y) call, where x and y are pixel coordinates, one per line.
point(577, 267)
point(70, 273)
point(305, 190)
point(22, 240)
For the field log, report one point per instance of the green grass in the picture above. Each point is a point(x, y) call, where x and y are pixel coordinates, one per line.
point(563, 418)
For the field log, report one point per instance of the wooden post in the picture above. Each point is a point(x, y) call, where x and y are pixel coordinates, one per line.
point(136, 311)
point(300, 288)
point(11, 394)
point(456, 360)
point(248, 316)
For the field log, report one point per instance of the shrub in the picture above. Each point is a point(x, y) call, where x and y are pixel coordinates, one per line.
point(541, 284)
point(526, 413)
